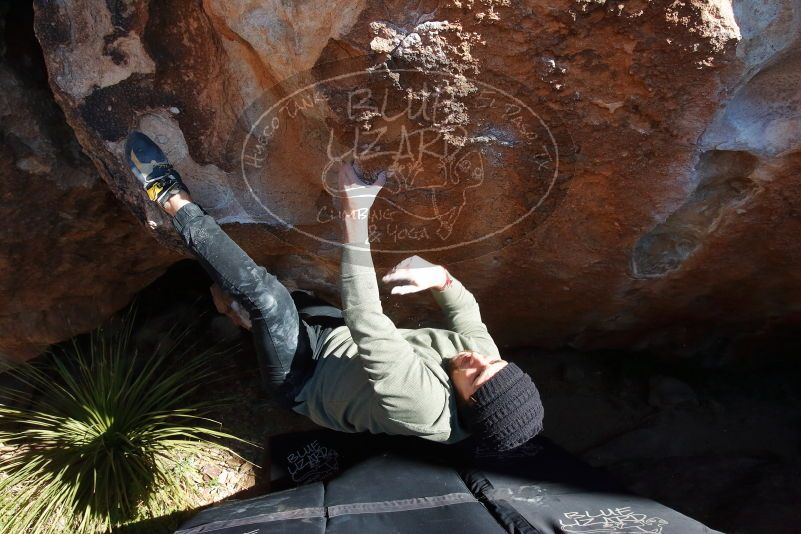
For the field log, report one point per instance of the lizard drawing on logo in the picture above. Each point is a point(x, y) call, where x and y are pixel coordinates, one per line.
point(428, 179)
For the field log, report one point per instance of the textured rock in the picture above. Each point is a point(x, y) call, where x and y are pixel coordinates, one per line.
point(643, 193)
point(71, 253)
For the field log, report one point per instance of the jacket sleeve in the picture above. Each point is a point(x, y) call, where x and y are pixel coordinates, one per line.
point(406, 390)
point(461, 310)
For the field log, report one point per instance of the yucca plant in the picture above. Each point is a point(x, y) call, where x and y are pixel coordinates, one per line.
point(104, 439)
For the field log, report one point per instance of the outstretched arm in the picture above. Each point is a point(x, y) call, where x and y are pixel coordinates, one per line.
point(406, 390)
point(460, 307)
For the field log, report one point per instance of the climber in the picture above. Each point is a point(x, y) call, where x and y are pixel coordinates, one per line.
point(353, 370)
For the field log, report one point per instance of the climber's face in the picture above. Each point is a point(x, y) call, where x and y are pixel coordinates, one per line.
point(471, 370)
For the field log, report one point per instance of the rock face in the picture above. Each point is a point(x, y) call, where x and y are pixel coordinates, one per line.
point(71, 253)
point(622, 174)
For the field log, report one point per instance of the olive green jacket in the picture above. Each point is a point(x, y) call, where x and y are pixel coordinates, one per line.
point(374, 377)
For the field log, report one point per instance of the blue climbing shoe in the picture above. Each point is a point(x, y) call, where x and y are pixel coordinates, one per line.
point(151, 168)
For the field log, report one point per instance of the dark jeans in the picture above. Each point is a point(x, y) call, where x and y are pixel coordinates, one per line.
point(287, 328)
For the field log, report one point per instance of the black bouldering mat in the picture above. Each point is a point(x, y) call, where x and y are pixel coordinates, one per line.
point(351, 483)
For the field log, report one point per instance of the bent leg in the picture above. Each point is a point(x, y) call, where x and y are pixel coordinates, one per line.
point(281, 339)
